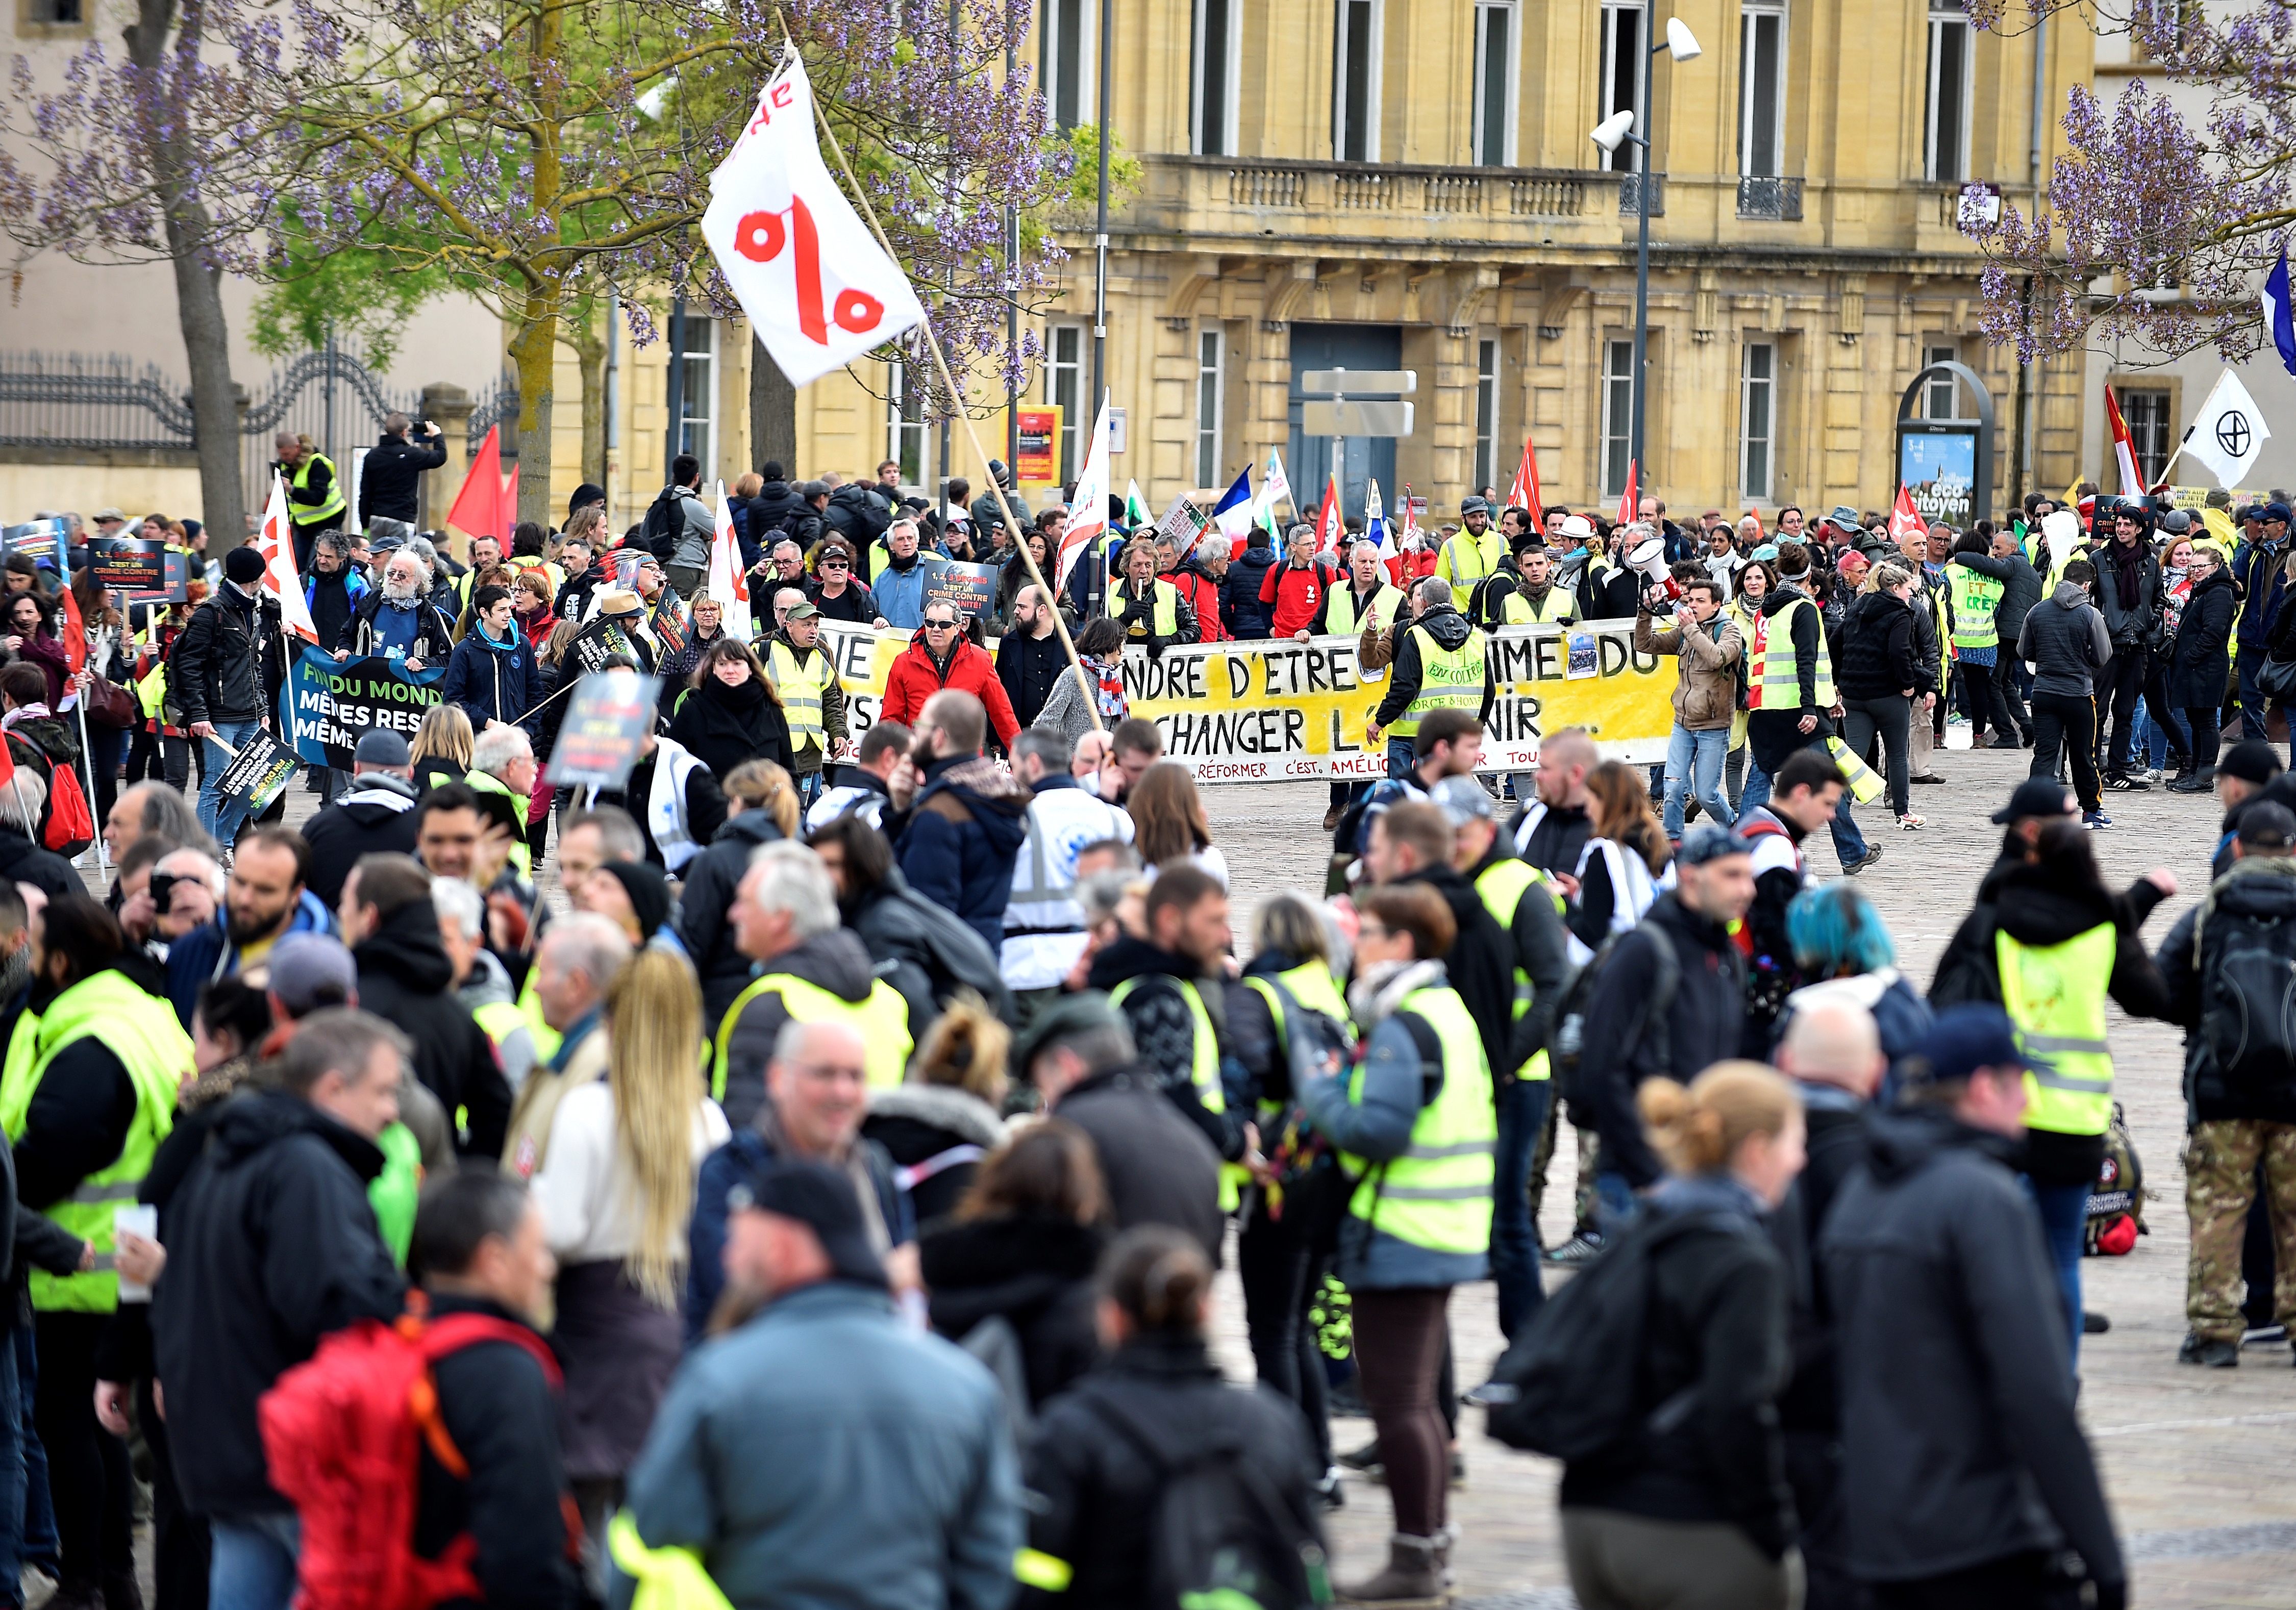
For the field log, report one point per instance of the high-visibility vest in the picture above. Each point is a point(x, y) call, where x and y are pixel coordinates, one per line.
point(397, 1191)
point(317, 513)
point(1502, 884)
point(801, 686)
point(881, 1018)
point(2054, 994)
point(1465, 560)
point(1558, 606)
point(1975, 597)
point(141, 1030)
point(1167, 607)
point(521, 858)
point(1775, 682)
point(1340, 620)
point(667, 1578)
point(1449, 679)
point(1204, 1074)
point(1437, 1194)
point(1311, 984)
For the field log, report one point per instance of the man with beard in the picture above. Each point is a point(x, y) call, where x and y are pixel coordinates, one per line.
point(398, 621)
point(263, 903)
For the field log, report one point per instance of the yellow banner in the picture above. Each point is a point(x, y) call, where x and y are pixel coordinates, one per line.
point(1277, 712)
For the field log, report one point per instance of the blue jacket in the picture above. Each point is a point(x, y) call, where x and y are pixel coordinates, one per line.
point(2258, 570)
point(825, 1457)
point(957, 842)
point(207, 953)
point(901, 598)
point(492, 683)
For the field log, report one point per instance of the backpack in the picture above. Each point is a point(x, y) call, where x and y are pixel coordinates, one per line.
point(343, 1434)
point(1570, 1386)
point(664, 523)
point(1651, 1033)
point(1221, 1535)
point(2248, 1014)
point(2116, 1198)
point(70, 827)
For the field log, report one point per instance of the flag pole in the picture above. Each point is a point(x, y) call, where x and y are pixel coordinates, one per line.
point(1087, 685)
point(79, 708)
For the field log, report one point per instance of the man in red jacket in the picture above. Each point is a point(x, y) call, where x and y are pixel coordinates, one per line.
point(1295, 587)
point(1199, 577)
point(938, 657)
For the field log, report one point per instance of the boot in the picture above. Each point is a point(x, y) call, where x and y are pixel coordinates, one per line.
point(2200, 780)
point(1411, 1577)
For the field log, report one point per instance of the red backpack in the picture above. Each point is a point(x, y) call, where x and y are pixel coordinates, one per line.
point(342, 1434)
point(69, 829)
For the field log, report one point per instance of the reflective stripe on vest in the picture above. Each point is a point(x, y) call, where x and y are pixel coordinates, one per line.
point(1340, 620)
point(1975, 597)
point(1205, 1076)
point(1464, 563)
point(143, 1032)
point(486, 782)
point(881, 1020)
point(801, 688)
point(1167, 608)
point(1449, 679)
point(1776, 668)
point(301, 481)
point(2055, 996)
point(1437, 1194)
point(1558, 606)
point(1501, 886)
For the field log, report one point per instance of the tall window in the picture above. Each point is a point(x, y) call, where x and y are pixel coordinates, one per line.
point(1941, 398)
point(1064, 389)
point(1617, 414)
point(1949, 109)
point(1212, 86)
point(1761, 127)
point(1495, 84)
point(1487, 411)
point(1355, 80)
point(1208, 409)
point(2150, 432)
point(1622, 77)
point(697, 418)
point(1758, 402)
point(1062, 72)
point(905, 418)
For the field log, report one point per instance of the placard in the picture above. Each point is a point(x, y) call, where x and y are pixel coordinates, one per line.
point(1037, 458)
point(327, 706)
point(971, 588)
point(608, 717)
point(257, 772)
point(129, 564)
point(36, 539)
point(176, 585)
point(601, 640)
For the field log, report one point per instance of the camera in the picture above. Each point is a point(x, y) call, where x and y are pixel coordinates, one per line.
point(163, 890)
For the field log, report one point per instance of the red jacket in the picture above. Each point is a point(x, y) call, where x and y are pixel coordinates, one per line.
point(1202, 594)
point(1295, 594)
point(915, 678)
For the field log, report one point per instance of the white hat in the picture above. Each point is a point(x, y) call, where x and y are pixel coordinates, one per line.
point(1578, 526)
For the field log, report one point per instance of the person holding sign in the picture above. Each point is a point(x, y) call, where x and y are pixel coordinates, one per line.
point(226, 671)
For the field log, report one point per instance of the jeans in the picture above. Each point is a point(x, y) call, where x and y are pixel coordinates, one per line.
point(38, 1544)
point(221, 821)
point(1402, 754)
point(2067, 721)
point(1515, 1238)
point(1848, 843)
point(1694, 766)
point(12, 1477)
point(1757, 791)
point(1615, 1205)
point(2009, 677)
point(253, 1564)
point(1892, 720)
point(808, 789)
point(2065, 1216)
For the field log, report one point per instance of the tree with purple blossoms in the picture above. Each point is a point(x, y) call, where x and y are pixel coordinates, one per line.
point(2149, 202)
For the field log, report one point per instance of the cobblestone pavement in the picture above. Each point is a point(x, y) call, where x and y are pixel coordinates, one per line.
point(2198, 1463)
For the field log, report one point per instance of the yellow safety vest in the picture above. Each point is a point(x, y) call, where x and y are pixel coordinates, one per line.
point(1449, 679)
point(1467, 559)
point(882, 1019)
point(1502, 884)
point(1205, 1076)
point(1558, 607)
point(1975, 597)
point(1437, 1194)
point(521, 857)
point(1312, 985)
point(1776, 681)
point(802, 687)
point(320, 513)
point(2055, 996)
point(666, 1578)
point(1340, 620)
point(142, 1030)
point(1167, 607)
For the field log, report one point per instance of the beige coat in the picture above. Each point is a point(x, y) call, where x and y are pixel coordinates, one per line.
point(1706, 693)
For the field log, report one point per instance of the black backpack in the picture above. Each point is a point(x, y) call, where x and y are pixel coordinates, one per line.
point(664, 523)
point(1651, 1033)
point(1571, 1385)
point(2248, 1021)
point(1221, 1535)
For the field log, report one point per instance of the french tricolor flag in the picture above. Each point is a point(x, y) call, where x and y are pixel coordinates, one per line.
point(2278, 317)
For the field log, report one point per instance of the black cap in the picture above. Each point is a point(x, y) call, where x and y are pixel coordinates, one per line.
point(381, 747)
point(2276, 511)
point(2252, 760)
point(648, 889)
point(824, 1199)
point(584, 494)
point(1067, 1016)
point(2038, 797)
point(1963, 1039)
point(242, 565)
point(2267, 825)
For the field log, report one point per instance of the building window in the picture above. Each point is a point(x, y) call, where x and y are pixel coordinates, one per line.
point(1618, 414)
point(1948, 109)
point(1062, 39)
point(1487, 412)
point(1208, 409)
point(1355, 88)
point(905, 418)
point(1761, 129)
point(1941, 396)
point(1622, 77)
point(1064, 389)
point(1758, 403)
point(1494, 76)
point(2146, 414)
point(1212, 78)
point(52, 19)
point(697, 401)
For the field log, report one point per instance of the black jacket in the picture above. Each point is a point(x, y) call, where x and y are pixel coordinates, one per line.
point(770, 512)
point(1552, 838)
point(703, 926)
point(1164, 1030)
point(375, 816)
point(2202, 651)
point(78, 1119)
point(1241, 610)
point(272, 1246)
point(1539, 948)
point(330, 601)
point(1093, 1488)
point(1033, 1270)
point(501, 1415)
point(937, 1135)
point(2064, 640)
point(857, 512)
point(2260, 889)
point(2129, 628)
point(1028, 666)
point(1480, 961)
point(923, 949)
point(387, 485)
point(1960, 1444)
point(724, 726)
point(23, 862)
point(433, 643)
point(1877, 648)
point(1159, 1167)
point(404, 978)
point(226, 664)
point(1449, 629)
point(705, 804)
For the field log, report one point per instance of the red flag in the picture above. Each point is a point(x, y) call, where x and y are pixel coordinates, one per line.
point(1627, 502)
point(478, 506)
point(1525, 493)
point(1904, 516)
point(1330, 525)
point(509, 524)
point(2124, 448)
point(75, 629)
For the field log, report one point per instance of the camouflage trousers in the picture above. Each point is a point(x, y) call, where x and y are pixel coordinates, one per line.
point(2220, 1163)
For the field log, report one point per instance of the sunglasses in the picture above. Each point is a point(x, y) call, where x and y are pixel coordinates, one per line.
point(835, 564)
point(940, 626)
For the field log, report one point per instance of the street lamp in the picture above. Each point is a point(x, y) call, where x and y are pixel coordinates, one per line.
point(1616, 130)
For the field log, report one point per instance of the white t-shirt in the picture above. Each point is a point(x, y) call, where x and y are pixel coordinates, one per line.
point(589, 1202)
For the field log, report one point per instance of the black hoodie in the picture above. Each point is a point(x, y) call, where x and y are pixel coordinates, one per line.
point(404, 978)
point(271, 1245)
point(1481, 962)
point(375, 816)
point(1032, 1269)
point(1449, 629)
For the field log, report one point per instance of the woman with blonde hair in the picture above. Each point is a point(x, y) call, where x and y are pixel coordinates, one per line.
point(616, 1187)
point(442, 749)
point(1168, 825)
point(761, 808)
point(1701, 1497)
point(1625, 864)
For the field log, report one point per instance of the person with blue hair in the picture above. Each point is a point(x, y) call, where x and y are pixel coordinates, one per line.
point(1841, 944)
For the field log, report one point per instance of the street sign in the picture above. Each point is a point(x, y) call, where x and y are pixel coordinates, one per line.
point(1355, 382)
point(1355, 419)
point(1978, 207)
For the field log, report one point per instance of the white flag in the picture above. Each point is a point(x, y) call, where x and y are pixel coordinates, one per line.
point(277, 545)
point(729, 580)
point(2230, 432)
point(816, 287)
point(1088, 510)
point(1277, 488)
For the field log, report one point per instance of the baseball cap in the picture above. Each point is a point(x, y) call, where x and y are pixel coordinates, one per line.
point(2276, 511)
point(2252, 760)
point(2036, 796)
point(1963, 1039)
point(2267, 825)
point(381, 747)
point(1465, 800)
point(801, 612)
point(1067, 1018)
point(1708, 841)
point(822, 1198)
point(308, 971)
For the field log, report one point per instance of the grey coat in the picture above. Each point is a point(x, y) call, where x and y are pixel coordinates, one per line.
point(1068, 709)
point(2065, 641)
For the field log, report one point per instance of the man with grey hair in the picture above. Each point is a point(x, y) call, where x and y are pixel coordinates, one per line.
point(1441, 662)
point(785, 920)
point(785, 599)
point(789, 563)
point(1201, 577)
point(503, 764)
point(398, 620)
point(23, 860)
point(391, 473)
point(574, 967)
point(1044, 929)
point(152, 809)
point(902, 577)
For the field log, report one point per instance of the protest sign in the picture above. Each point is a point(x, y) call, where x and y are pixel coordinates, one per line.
point(971, 588)
point(129, 564)
point(601, 640)
point(175, 581)
point(608, 717)
point(325, 707)
point(262, 767)
point(34, 539)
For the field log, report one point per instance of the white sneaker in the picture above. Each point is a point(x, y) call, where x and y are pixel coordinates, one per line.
point(1912, 823)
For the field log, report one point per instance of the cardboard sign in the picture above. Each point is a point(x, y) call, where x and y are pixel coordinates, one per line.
point(971, 588)
point(327, 706)
point(601, 640)
point(1037, 461)
point(262, 769)
point(608, 717)
point(174, 584)
point(129, 564)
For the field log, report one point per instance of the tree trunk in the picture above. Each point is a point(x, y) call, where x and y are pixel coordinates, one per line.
point(578, 333)
point(772, 413)
point(534, 351)
point(198, 297)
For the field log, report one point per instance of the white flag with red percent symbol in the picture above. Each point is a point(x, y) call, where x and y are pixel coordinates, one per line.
point(1088, 510)
point(729, 580)
point(816, 287)
point(277, 546)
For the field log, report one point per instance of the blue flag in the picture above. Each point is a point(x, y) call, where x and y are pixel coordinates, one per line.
point(1233, 513)
point(2277, 318)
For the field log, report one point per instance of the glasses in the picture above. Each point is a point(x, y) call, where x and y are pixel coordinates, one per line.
point(835, 564)
point(940, 626)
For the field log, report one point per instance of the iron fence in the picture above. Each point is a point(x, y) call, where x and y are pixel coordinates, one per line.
point(83, 402)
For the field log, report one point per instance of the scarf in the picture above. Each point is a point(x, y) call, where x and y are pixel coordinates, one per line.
point(2128, 570)
point(35, 711)
point(1109, 691)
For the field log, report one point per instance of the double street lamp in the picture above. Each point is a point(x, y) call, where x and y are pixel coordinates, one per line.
point(1616, 130)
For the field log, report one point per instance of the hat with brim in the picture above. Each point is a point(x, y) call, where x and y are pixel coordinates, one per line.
point(619, 601)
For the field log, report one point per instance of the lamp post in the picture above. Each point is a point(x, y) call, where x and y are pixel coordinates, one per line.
point(1616, 130)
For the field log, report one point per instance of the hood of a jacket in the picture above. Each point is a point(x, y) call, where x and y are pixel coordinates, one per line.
point(774, 501)
point(837, 960)
point(1446, 626)
point(2217, 577)
point(1876, 605)
point(999, 800)
point(2069, 596)
point(1900, 1144)
point(751, 828)
point(2035, 909)
point(940, 1106)
point(247, 1128)
point(489, 984)
point(405, 946)
point(1131, 958)
point(377, 796)
point(1667, 911)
